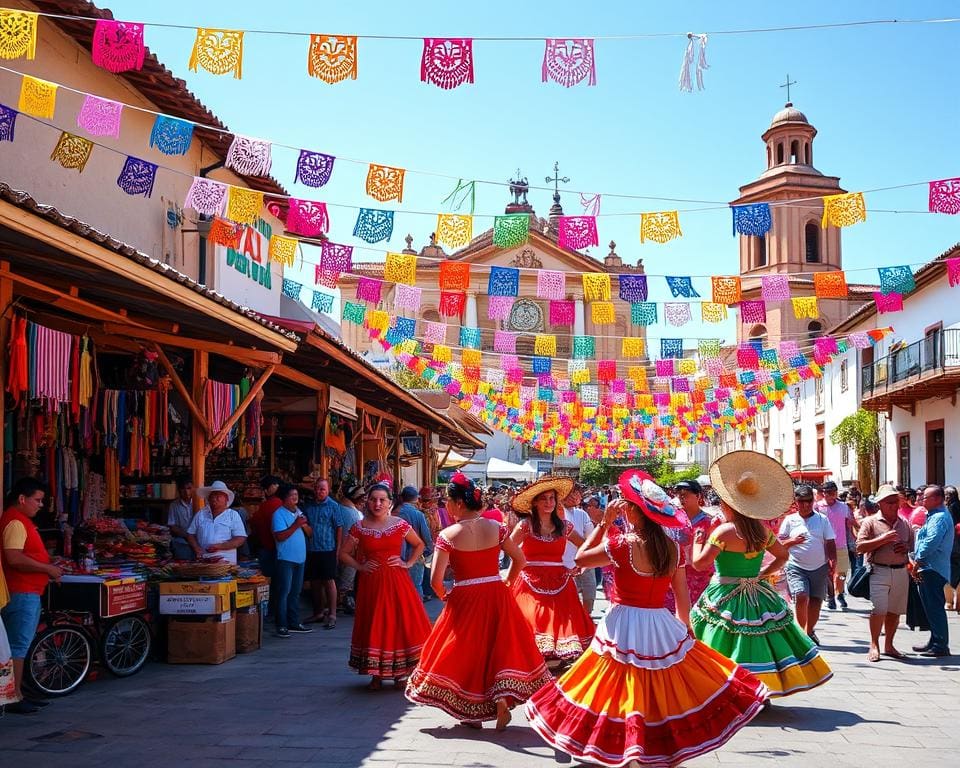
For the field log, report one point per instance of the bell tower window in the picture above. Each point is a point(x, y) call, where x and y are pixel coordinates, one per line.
point(795, 152)
point(761, 250)
point(806, 152)
point(780, 153)
point(814, 329)
point(811, 242)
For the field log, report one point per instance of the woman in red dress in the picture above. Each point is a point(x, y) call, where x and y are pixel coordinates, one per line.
point(480, 660)
point(390, 624)
point(545, 591)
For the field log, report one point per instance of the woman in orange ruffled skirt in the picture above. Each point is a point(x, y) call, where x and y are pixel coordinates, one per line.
point(646, 690)
point(545, 590)
point(390, 624)
point(480, 659)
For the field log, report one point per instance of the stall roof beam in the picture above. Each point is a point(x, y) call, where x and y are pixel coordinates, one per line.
point(56, 236)
point(181, 389)
point(238, 353)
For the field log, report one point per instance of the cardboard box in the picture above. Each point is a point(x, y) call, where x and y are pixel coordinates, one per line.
point(209, 641)
point(193, 605)
point(249, 630)
point(198, 587)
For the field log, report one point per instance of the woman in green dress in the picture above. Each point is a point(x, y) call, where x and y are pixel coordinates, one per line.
point(741, 614)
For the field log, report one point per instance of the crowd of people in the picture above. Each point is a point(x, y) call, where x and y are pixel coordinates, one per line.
point(714, 592)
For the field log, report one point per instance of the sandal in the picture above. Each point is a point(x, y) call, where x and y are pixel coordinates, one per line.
point(895, 654)
point(331, 622)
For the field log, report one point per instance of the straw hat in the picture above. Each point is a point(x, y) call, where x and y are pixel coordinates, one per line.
point(639, 489)
point(754, 484)
point(217, 486)
point(524, 499)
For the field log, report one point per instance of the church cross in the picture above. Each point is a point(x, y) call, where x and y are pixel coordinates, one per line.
point(787, 86)
point(557, 179)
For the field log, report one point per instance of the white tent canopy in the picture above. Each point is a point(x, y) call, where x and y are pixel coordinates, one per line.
point(498, 469)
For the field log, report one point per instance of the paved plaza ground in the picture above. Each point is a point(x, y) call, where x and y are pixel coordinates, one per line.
point(296, 703)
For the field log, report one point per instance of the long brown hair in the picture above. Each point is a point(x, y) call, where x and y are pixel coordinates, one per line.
point(659, 547)
point(752, 532)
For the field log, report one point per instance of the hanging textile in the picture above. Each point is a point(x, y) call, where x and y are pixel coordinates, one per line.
point(49, 351)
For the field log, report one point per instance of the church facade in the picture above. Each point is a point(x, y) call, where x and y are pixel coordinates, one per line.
point(528, 316)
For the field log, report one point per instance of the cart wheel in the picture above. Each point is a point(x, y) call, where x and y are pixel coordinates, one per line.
point(58, 660)
point(126, 645)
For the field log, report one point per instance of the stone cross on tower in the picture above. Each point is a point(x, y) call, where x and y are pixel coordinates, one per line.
point(787, 86)
point(556, 210)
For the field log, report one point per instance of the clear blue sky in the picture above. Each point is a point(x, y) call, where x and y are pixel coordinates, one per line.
point(883, 99)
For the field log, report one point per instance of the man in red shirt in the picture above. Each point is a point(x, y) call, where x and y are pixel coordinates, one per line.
point(27, 570)
point(262, 525)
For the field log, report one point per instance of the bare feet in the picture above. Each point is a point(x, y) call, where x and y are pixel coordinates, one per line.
point(873, 655)
point(374, 684)
point(503, 715)
point(893, 653)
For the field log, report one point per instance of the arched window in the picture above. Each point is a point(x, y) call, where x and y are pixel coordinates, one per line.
point(806, 152)
point(769, 156)
point(761, 250)
point(814, 329)
point(758, 332)
point(780, 153)
point(811, 238)
point(795, 152)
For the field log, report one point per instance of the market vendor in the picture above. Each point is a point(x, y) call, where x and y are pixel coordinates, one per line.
point(179, 515)
point(27, 571)
point(216, 530)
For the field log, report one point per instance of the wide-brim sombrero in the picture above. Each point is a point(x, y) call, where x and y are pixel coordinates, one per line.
point(754, 484)
point(639, 488)
point(523, 501)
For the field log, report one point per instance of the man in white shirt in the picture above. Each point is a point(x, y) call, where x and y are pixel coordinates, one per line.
point(586, 579)
point(216, 530)
point(811, 543)
point(843, 524)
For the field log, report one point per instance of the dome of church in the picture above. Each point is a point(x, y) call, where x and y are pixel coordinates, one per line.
point(789, 114)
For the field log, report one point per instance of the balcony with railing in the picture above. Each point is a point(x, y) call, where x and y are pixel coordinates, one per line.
point(926, 368)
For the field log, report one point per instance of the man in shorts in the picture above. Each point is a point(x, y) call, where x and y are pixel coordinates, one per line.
point(811, 543)
point(885, 539)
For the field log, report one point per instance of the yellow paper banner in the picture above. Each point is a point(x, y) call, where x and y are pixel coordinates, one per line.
point(805, 307)
point(218, 51)
point(545, 344)
point(596, 287)
point(37, 97)
point(632, 347)
point(401, 268)
point(843, 210)
point(243, 205)
point(283, 250)
point(454, 229)
point(18, 34)
point(602, 313)
point(661, 227)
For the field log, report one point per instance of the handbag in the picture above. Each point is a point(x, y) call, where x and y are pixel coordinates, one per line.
point(859, 583)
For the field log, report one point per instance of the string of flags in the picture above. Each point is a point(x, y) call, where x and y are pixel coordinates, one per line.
point(596, 413)
point(311, 219)
point(249, 156)
point(445, 62)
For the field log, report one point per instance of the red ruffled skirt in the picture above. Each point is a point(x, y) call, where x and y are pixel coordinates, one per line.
point(389, 626)
point(480, 652)
point(645, 691)
point(550, 603)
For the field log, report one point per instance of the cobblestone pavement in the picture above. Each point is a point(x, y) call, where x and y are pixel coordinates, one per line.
point(296, 703)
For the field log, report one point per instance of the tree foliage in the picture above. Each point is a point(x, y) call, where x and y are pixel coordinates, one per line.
point(594, 472)
point(858, 431)
point(407, 378)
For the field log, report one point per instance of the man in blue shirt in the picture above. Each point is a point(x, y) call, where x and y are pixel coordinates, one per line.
point(418, 521)
point(326, 520)
point(932, 569)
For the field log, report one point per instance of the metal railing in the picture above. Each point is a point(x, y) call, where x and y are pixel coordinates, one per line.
point(935, 352)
